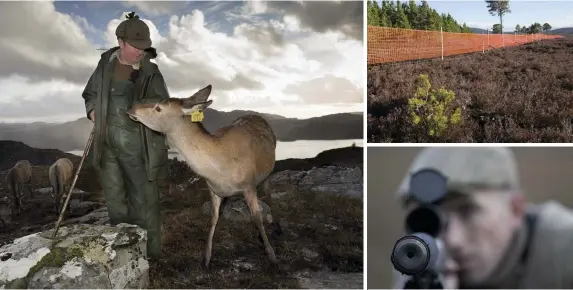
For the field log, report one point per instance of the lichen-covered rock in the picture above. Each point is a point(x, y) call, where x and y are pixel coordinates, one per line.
point(331, 175)
point(236, 209)
point(286, 177)
point(76, 273)
point(337, 180)
point(81, 256)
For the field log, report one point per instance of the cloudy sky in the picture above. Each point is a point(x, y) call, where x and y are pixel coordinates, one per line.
point(289, 58)
point(523, 12)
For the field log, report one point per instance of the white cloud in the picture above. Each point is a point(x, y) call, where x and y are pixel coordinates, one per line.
point(45, 44)
point(156, 8)
point(264, 64)
point(51, 99)
point(18, 88)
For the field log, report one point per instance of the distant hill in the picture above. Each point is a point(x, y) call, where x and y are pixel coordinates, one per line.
point(477, 30)
point(73, 135)
point(12, 152)
point(565, 31)
point(560, 31)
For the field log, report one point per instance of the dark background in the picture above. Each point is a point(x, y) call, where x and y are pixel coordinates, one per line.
point(545, 173)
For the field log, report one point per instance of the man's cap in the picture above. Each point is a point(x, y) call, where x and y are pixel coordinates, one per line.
point(466, 169)
point(134, 31)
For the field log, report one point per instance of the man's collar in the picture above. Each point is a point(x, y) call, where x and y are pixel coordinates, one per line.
point(116, 53)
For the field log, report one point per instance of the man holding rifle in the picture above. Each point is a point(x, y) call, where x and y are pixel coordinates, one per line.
point(493, 237)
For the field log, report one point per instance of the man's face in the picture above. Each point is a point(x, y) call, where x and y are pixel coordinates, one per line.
point(480, 227)
point(129, 53)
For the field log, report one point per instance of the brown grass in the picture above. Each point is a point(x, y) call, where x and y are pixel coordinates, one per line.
point(328, 225)
point(518, 94)
point(331, 226)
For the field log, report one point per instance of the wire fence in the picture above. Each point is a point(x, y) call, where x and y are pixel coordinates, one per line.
point(387, 44)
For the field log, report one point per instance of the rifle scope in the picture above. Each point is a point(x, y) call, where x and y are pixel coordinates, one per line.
point(419, 250)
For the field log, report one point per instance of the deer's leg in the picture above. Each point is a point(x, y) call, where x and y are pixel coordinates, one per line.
point(253, 202)
point(54, 195)
point(30, 191)
point(19, 197)
point(60, 197)
point(215, 205)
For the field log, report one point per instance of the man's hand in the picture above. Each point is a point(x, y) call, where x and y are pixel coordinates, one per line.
point(92, 116)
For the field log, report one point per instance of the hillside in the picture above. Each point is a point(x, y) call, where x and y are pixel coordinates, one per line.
point(517, 94)
point(565, 31)
point(485, 31)
point(477, 30)
point(73, 135)
point(316, 233)
point(12, 151)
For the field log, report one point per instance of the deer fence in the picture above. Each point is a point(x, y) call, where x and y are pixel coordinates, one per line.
point(396, 44)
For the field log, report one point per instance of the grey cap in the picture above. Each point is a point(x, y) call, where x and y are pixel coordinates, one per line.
point(466, 168)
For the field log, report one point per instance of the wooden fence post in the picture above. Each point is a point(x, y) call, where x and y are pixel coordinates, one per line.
point(442, 36)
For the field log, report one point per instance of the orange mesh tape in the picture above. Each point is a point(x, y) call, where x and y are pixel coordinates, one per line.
point(396, 44)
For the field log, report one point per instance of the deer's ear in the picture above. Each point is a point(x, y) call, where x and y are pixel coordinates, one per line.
point(202, 95)
point(188, 110)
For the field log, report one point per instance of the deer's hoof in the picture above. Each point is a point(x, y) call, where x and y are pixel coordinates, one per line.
point(273, 258)
point(205, 264)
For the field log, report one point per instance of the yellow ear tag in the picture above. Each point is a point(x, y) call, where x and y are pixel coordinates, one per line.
point(197, 116)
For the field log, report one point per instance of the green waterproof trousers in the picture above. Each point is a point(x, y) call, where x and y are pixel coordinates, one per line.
point(130, 196)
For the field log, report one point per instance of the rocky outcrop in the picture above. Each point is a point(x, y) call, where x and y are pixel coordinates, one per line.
point(81, 256)
point(330, 280)
point(329, 179)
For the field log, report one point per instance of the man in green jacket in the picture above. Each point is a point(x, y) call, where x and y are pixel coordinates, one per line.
point(494, 239)
point(129, 157)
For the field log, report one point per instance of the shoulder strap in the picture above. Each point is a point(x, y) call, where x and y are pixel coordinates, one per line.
point(531, 223)
point(146, 83)
point(141, 85)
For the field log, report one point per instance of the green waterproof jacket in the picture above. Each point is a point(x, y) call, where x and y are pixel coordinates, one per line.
point(149, 88)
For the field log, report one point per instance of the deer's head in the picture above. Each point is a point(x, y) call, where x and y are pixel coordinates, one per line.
point(160, 116)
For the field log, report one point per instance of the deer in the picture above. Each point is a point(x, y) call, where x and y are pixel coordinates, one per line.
point(5, 212)
point(60, 174)
point(235, 159)
point(18, 177)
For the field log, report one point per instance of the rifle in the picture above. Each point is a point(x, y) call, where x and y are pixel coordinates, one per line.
point(419, 254)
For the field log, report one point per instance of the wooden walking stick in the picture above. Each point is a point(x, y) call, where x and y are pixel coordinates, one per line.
point(63, 210)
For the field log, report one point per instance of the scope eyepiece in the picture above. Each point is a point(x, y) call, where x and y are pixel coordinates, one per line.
point(415, 253)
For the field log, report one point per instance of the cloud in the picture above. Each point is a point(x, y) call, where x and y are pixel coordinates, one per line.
point(325, 90)
point(45, 44)
point(264, 55)
point(321, 16)
point(40, 100)
point(156, 8)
